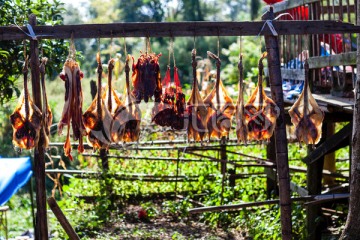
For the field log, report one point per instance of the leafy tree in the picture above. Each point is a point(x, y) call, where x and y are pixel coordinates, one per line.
point(11, 52)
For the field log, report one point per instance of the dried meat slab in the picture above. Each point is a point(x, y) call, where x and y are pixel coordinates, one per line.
point(169, 111)
point(130, 115)
point(97, 118)
point(114, 105)
point(260, 111)
point(196, 110)
point(47, 114)
point(241, 127)
point(146, 77)
point(306, 115)
point(72, 110)
point(220, 107)
point(26, 119)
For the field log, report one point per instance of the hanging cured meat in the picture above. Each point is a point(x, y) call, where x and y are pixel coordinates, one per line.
point(260, 111)
point(220, 106)
point(146, 77)
point(306, 115)
point(113, 104)
point(130, 115)
point(241, 127)
point(196, 109)
point(97, 118)
point(72, 110)
point(170, 110)
point(26, 118)
point(46, 112)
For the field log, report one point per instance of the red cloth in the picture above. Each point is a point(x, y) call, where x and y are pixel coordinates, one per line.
point(334, 40)
point(272, 1)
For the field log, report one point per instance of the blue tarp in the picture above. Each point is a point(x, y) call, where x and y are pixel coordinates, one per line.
point(14, 173)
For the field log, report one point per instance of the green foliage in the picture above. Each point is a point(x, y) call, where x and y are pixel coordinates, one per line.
point(11, 52)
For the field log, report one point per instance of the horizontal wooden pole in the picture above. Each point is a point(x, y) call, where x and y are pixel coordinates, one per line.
point(242, 205)
point(285, 5)
point(178, 29)
point(341, 59)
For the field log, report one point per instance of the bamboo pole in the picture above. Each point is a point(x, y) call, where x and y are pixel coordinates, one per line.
point(41, 229)
point(272, 47)
point(62, 219)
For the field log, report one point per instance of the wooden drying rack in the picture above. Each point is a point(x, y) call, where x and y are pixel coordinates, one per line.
point(176, 29)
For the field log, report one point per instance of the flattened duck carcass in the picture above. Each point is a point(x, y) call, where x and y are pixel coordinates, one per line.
point(130, 116)
point(220, 106)
point(260, 111)
point(97, 118)
point(46, 112)
point(113, 104)
point(26, 118)
point(306, 115)
point(146, 77)
point(241, 127)
point(72, 110)
point(170, 110)
point(195, 110)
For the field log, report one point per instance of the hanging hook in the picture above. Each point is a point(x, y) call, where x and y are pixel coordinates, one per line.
point(111, 44)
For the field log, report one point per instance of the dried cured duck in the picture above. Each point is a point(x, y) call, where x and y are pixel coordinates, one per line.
point(260, 111)
point(220, 106)
point(129, 116)
point(146, 77)
point(170, 110)
point(195, 110)
point(26, 118)
point(72, 110)
point(113, 104)
point(241, 127)
point(46, 112)
point(306, 115)
point(97, 118)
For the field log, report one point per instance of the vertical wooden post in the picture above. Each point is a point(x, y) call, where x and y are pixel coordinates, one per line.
point(282, 163)
point(41, 229)
point(313, 181)
point(271, 184)
point(223, 158)
point(329, 159)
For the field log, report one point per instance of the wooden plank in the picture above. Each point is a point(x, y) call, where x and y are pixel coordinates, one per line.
point(178, 29)
point(330, 144)
point(287, 73)
point(286, 5)
point(62, 219)
point(341, 59)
